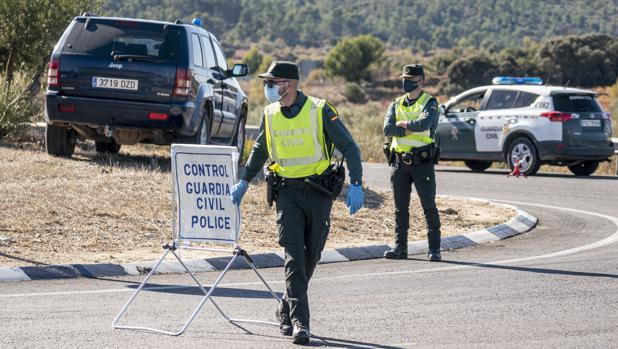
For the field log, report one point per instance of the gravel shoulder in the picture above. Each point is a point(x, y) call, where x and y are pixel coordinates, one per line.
point(117, 209)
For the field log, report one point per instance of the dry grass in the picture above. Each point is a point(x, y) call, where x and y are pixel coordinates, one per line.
point(118, 209)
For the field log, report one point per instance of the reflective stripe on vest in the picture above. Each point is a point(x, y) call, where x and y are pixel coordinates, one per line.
point(410, 113)
point(296, 145)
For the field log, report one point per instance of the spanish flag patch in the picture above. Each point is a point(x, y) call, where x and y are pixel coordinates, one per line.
point(334, 117)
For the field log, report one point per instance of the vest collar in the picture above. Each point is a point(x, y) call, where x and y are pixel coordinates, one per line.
point(296, 107)
point(408, 102)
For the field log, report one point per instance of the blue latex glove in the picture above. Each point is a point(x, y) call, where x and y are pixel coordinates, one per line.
point(238, 191)
point(355, 199)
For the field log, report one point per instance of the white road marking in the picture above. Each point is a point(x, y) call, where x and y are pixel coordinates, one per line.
point(601, 243)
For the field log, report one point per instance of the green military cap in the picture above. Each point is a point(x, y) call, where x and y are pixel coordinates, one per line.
point(412, 70)
point(281, 70)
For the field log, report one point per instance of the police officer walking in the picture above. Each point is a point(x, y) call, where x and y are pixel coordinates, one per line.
point(298, 134)
point(411, 121)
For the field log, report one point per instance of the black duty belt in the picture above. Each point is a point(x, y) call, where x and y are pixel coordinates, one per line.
point(304, 183)
point(419, 155)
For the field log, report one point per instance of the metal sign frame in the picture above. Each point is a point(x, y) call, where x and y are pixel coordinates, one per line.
point(179, 243)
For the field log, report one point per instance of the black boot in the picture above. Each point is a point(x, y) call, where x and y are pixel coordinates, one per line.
point(301, 333)
point(396, 253)
point(283, 316)
point(434, 255)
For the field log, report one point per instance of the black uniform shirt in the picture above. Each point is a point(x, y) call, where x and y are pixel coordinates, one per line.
point(427, 122)
point(335, 133)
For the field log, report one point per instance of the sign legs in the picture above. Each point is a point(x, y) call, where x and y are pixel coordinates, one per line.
point(238, 253)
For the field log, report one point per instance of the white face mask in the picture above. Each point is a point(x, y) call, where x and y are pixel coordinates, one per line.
point(272, 93)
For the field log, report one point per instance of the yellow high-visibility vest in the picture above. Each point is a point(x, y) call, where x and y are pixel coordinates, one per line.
point(410, 113)
point(297, 145)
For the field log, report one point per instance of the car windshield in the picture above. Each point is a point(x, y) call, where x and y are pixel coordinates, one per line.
point(121, 38)
point(573, 103)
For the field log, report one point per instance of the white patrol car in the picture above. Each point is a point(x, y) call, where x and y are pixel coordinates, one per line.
point(520, 120)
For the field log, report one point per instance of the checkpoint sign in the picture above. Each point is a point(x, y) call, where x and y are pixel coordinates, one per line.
point(202, 178)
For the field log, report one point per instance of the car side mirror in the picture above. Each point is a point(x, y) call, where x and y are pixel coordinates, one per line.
point(238, 70)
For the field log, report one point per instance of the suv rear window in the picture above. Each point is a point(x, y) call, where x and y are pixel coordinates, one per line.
point(501, 99)
point(573, 103)
point(525, 99)
point(105, 37)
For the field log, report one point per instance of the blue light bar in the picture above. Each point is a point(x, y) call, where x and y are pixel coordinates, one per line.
point(197, 21)
point(510, 80)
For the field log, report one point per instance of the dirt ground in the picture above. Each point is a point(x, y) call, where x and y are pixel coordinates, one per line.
point(116, 209)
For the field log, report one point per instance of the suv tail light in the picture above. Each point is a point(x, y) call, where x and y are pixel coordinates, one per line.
point(53, 74)
point(557, 116)
point(182, 86)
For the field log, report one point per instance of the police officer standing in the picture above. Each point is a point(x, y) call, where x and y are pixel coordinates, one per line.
point(298, 134)
point(411, 121)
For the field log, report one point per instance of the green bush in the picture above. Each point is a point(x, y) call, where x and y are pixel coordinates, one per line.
point(354, 93)
point(16, 109)
point(353, 58)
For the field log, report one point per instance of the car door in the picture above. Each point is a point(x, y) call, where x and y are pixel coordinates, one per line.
point(457, 125)
point(229, 92)
point(491, 120)
point(217, 84)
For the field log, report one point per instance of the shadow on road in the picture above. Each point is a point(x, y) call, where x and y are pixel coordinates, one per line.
point(530, 270)
point(196, 291)
point(505, 172)
point(318, 341)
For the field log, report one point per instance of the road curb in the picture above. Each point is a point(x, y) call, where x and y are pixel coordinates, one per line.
point(521, 223)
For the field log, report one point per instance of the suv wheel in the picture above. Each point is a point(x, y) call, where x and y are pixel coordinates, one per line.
point(202, 136)
point(60, 141)
point(584, 168)
point(477, 165)
point(523, 149)
point(108, 147)
point(239, 140)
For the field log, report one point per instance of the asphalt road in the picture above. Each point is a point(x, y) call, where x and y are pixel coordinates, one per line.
point(556, 286)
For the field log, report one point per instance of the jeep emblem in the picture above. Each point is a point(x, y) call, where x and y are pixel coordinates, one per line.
point(116, 66)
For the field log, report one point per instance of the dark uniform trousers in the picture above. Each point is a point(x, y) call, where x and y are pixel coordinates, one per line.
point(303, 221)
point(424, 178)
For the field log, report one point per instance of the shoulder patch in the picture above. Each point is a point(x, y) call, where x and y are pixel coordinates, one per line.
point(333, 114)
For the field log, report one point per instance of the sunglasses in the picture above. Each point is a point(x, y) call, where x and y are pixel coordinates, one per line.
point(270, 83)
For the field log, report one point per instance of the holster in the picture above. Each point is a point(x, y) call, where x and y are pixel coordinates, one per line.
point(420, 155)
point(388, 153)
point(272, 187)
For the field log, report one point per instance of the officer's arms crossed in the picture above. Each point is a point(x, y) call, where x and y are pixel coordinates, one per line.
point(390, 125)
point(428, 121)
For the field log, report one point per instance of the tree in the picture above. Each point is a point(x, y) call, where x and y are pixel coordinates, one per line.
point(473, 71)
point(587, 60)
point(31, 28)
point(253, 59)
point(352, 58)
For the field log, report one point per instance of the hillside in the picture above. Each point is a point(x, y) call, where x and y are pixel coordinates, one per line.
point(421, 24)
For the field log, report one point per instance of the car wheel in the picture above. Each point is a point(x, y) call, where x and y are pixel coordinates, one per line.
point(584, 168)
point(60, 141)
point(478, 166)
point(239, 140)
point(202, 136)
point(523, 150)
point(107, 147)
